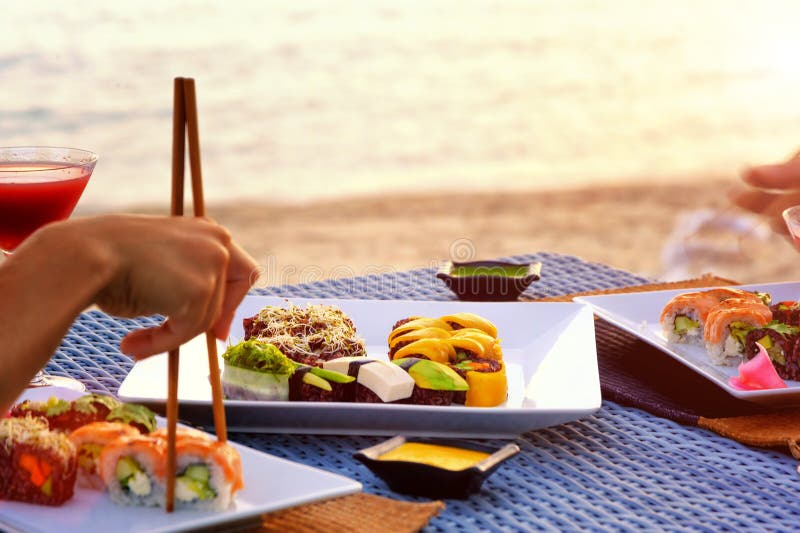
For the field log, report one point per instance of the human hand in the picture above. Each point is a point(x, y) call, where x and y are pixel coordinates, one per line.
point(187, 269)
point(773, 188)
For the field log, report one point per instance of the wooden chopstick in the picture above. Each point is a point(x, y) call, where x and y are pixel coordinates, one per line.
point(176, 209)
point(200, 211)
point(184, 121)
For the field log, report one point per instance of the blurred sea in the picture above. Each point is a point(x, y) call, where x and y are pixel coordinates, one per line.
point(322, 99)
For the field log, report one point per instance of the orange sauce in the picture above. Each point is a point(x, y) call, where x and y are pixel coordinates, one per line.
point(446, 457)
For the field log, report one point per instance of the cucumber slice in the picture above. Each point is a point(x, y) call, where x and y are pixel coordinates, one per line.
point(188, 489)
point(197, 472)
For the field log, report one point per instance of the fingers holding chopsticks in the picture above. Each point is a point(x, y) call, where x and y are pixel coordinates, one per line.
point(186, 269)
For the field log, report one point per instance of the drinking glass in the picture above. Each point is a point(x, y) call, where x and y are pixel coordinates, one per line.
point(39, 185)
point(792, 218)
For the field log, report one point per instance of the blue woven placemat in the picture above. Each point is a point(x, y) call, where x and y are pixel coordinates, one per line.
point(621, 469)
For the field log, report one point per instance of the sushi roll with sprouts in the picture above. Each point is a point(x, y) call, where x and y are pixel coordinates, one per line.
point(36, 465)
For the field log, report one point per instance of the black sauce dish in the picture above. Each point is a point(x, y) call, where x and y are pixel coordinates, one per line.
point(489, 281)
point(420, 479)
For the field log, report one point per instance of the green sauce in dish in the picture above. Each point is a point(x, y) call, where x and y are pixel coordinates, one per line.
point(504, 271)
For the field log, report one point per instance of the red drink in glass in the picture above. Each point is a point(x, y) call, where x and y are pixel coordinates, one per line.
point(26, 204)
point(39, 185)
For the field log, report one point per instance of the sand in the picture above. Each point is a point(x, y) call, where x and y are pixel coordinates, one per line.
point(630, 227)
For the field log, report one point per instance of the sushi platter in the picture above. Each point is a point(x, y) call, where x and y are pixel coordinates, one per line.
point(91, 510)
point(639, 315)
point(548, 350)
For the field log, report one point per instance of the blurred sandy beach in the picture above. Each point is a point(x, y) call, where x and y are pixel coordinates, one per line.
point(630, 227)
point(343, 137)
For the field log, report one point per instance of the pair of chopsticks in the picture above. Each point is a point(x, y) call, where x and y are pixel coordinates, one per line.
point(184, 119)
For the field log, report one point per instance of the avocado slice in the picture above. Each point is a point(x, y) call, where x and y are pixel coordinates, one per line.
point(739, 330)
point(126, 468)
point(429, 374)
point(683, 324)
point(765, 341)
point(311, 379)
point(330, 375)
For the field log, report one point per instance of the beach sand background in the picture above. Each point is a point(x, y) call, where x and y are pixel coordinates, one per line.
point(341, 138)
point(630, 227)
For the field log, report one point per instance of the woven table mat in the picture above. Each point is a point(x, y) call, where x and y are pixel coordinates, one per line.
point(620, 469)
point(359, 513)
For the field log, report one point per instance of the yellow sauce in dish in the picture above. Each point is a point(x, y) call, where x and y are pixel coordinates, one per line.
point(446, 457)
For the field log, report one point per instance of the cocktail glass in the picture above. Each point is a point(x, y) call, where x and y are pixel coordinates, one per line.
point(39, 185)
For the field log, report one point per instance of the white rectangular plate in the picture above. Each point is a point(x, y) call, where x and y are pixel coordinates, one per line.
point(270, 484)
point(548, 348)
point(638, 313)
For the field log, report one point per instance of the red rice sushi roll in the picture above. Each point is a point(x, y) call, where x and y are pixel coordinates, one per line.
point(315, 384)
point(780, 341)
point(787, 312)
point(488, 384)
point(377, 381)
point(434, 383)
point(57, 412)
point(66, 416)
point(36, 465)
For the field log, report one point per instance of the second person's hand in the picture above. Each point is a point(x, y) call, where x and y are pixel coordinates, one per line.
point(772, 189)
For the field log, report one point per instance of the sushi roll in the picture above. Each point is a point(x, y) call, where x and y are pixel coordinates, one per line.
point(377, 381)
point(399, 341)
point(726, 293)
point(476, 343)
point(727, 326)
point(315, 384)
point(208, 473)
point(787, 312)
point(89, 441)
point(406, 325)
point(780, 341)
point(684, 317)
point(36, 465)
point(470, 320)
point(55, 411)
point(256, 370)
point(434, 383)
point(487, 381)
point(435, 349)
point(136, 416)
point(132, 469)
point(309, 335)
point(66, 416)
